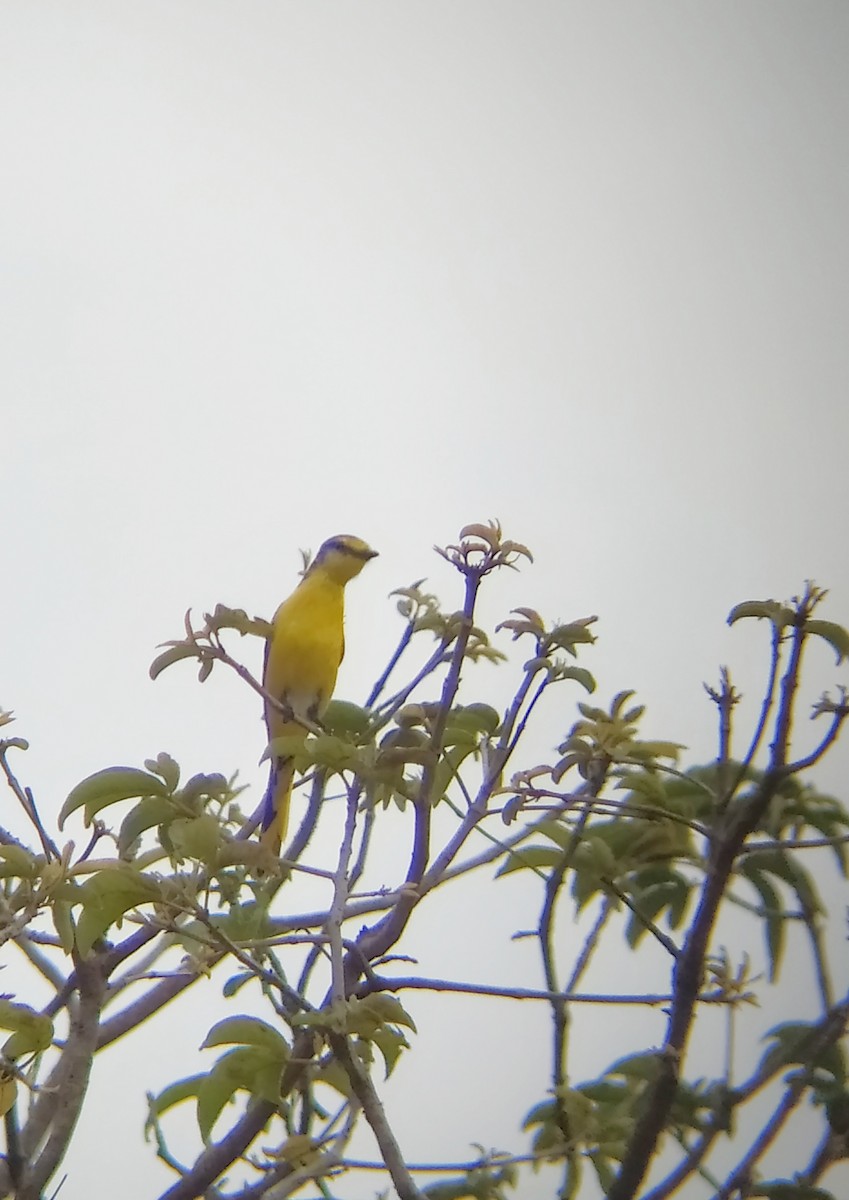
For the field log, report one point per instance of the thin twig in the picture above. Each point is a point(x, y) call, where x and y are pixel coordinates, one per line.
point(373, 1111)
point(395, 658)
point(826, 843)
point(384, 712)
point(336, 914)
point(589, 947)
point(645, 921)
point(545, 933)
point(766, 708)
point(740, 1177)
point(26, 800)
point(382, 983)
point(724, 699)
point(803, 764)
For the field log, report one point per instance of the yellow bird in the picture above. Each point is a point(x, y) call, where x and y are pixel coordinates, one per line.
point(302, 657)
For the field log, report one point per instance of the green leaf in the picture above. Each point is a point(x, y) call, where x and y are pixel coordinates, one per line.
point(580, 675)
point(344, 719)
point(16, 862)
point(172, 655)
point(390, 1042)
point(152, 810)
point(574, 1172)
point(671, 893)
point(778, 614)
point(791, 1044)
point(217, 1089)
point(236, 982)
point(8, 1087)
point(580, 1112)
point(107, 787)
point(530, 858)
point(540, 662)
point(290, 745)
point(467, 725)
point(774, 922)
point(236, 618)
point(836, 636)
point(448, 767)
point(247, 1031)
point(334, 753)
point(31, 1031)
point(63, 923)
point(175, 1093)
point(388, 1008)
point(245, 1069)
point(783, 865)
point(196, 837)
point(559, 833)
point(595, 856)
point(830, 822)
point(203, 787)
point(657, 749)
point(540, 1114)
point(362, 1017)
point(105, 897)
point(247, 921)
point(566, 637)
point(606, 1092)
point(636, 1066)
point(604, 1170)
point(166, 767)
point(331, 1072)
point(644, 787)
point(486, 718)
point(458, 737)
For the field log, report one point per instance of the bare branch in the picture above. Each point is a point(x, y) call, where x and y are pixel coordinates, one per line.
point(766, 708)
point(218, 1156)
point(57, 1106)
point(382, 983)
point(740, 1177)
point(374, 1113)
point(340, 896)
point(657, 933)
point(394, 659)
point(26, 799)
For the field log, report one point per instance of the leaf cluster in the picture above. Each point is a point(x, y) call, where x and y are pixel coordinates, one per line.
point(171, 889)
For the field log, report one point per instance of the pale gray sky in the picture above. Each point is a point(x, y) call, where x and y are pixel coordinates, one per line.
point(273, 270)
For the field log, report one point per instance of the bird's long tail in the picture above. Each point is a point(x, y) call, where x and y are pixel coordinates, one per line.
point(275, 816)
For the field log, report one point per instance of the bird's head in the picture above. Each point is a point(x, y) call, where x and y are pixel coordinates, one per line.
point(342, 557)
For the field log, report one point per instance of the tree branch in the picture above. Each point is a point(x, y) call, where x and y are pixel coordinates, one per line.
point(216, 1158)
point(363, 1089)
point(59, 1102)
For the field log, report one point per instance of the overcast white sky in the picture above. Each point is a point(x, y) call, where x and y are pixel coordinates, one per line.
point(272, 270)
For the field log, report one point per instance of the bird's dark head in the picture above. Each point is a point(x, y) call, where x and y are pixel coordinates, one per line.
point(342, 557)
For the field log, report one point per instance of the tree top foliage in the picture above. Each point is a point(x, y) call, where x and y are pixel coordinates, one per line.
point(170, 886)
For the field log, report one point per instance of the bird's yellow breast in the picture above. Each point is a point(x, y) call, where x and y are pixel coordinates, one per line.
point(307, 645)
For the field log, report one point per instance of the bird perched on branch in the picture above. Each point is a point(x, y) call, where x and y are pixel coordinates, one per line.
point(302, 657)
